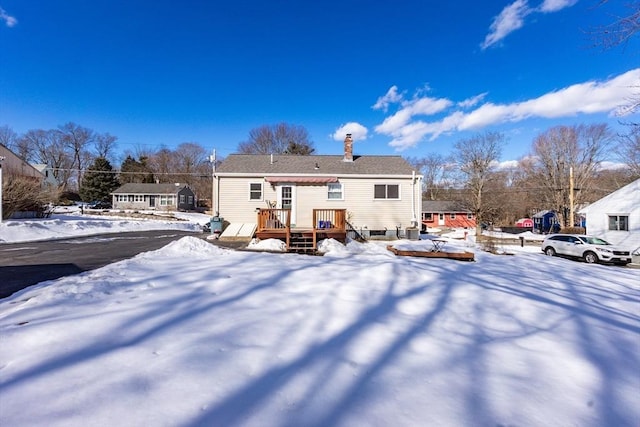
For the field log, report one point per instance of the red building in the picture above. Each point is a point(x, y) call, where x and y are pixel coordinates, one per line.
point(524, 223)
point(446, 214)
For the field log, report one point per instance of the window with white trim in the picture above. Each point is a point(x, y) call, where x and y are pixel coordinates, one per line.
point(334, 191)
point(138, 198)
point(182, 199)
point(386, 191)
point(469, 215)
point(167, 200)
point(619, 222)
point(452, 216)
point(255, 191)
point(427, 216)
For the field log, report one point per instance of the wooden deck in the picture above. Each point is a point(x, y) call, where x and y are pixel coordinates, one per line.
point(460, 256)
point(327, 224)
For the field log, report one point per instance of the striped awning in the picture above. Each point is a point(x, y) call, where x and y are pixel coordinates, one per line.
point(302, 179)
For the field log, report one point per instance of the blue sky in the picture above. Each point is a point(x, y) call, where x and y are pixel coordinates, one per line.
point(405, 77)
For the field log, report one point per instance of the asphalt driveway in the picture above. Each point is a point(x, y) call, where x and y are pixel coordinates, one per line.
point(25, 264)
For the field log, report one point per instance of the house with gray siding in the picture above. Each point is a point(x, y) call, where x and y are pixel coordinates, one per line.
point(381, 194)
point(144, 196)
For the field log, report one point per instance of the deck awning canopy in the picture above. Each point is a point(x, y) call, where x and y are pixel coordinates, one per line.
point(302, 179)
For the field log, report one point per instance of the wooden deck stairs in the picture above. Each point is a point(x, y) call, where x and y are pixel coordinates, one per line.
point(326, 223)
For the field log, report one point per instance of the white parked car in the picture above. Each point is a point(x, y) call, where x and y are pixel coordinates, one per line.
point(590, 249)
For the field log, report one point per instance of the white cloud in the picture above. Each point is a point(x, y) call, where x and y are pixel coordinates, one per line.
point(510, 19)
point(357, 131)
point(391, 97)
point(555, 5)
point(417, 106)
point(584, 98)
point(9, 20)
point(473, 101)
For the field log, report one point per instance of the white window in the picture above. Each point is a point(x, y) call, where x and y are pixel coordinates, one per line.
point(255, 191)
point(619, 222)
point(167, 200)
point(469, 215)
point(386, 191)
point(182, 199)
point(139, 198)
point(427, 216)
point(452, 216)
point(334, 191)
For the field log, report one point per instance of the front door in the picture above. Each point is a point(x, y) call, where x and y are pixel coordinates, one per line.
point(441, 219)
point(287, 200)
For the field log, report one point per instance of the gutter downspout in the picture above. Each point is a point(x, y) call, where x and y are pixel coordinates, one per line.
point(414, 219)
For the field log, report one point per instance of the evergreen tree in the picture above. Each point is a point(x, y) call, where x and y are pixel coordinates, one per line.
point(99, 181)
point(132, 170)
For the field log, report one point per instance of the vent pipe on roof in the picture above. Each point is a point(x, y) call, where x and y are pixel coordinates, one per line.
point(271, 158)
point(348, 148)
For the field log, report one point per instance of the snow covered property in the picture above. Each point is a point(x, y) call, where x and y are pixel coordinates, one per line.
point(357, 337)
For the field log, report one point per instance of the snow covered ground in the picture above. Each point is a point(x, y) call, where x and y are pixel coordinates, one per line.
point(69, 222)
point(197, 335)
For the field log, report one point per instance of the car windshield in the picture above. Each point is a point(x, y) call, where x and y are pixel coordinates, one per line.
point(594, 240)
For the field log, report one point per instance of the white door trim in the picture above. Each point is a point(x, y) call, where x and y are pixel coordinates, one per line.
point(282, 187)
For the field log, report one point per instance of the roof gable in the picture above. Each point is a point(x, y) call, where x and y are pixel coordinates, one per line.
point(624, 199)
point(313, 165)
point(443, 206)
point(147, 188)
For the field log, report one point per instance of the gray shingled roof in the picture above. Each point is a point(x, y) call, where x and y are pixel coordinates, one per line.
point(137, 188)
point(442, 206)
point(314, 165)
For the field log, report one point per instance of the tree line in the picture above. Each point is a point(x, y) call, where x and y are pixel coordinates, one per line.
point(541, 180)
point(86, 164)
point(82, 161)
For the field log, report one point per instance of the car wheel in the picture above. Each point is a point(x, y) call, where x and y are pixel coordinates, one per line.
point(549, 251)
point(590, 257)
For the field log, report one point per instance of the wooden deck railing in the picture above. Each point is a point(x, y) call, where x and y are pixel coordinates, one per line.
point(276, 223)
point(330, 219)
point(274, 219)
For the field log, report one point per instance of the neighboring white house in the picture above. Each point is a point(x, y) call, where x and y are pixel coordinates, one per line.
point(46, 170)
point(616, 217)
point(154, 196)
point(381, 194)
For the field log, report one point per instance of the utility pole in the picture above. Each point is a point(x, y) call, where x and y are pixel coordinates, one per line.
point(571, 185)
point(214, 206)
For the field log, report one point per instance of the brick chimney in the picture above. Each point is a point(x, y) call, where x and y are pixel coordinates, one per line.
point(348, 149)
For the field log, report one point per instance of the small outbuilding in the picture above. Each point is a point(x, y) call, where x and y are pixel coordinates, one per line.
point(144, 196)
point(545, 222)
point(524, 223)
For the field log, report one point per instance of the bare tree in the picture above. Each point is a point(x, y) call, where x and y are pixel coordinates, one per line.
point(77, 139)
point(162, 165)
point(558, 151)
point(278, 139)
point(8, 137)
point(621, 29)
point(477, 160)
point(629, 151)
point(105, 144)
point(48, 148)
point(191, 162)
point(618, 33)
point(437, 171)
